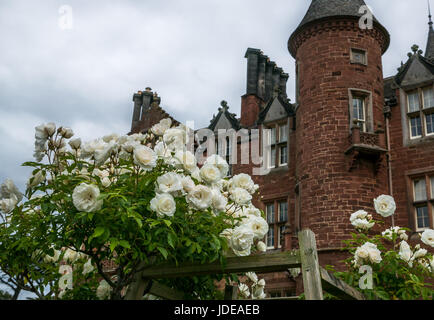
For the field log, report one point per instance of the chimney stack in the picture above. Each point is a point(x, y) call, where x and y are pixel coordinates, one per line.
point(252, 56)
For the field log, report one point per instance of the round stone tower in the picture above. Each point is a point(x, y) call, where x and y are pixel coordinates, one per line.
point(341, 146)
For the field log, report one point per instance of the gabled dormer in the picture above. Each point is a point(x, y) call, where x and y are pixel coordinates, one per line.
point(224, 119)
point(415, 81)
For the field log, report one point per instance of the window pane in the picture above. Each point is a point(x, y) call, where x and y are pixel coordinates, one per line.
point(359, 111)
point(273, 136)
point(419, 190)
point(283, 155)
point(432, 187)
point(359, 56)
point(422, 217)
point(283, 133)
point(270, 213)
point(413, 101)
point(428, 98)
point(416, 127)
point(270, 238)
point(228, 147)
point(273, 157)
point(430, 124)
point(283, 211)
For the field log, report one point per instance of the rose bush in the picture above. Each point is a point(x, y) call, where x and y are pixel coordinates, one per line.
point(399, 272)
point(123, 200)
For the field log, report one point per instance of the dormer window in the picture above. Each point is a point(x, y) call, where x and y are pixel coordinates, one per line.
point(420, 112)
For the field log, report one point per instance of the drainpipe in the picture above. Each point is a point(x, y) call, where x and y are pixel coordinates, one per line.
point(388, 115)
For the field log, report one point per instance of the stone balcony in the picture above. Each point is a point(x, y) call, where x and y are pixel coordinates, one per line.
point(366, 145)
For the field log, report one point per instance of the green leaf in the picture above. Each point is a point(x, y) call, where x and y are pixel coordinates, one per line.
point(125, 244)
point(163, 252)
point(168, 223)
point(170, 240)
point(97, 233)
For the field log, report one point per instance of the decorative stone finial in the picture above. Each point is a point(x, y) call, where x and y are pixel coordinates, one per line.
point(148, 89)
point(224, 105)
point(415, 48)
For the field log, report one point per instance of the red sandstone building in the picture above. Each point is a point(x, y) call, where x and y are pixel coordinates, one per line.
point(350, 135)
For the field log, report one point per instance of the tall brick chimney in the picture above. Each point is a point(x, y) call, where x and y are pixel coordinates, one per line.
point(251, 102)
point(330, 188)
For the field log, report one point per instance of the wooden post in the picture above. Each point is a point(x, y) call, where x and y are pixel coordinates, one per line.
point(310, 266)
point(231, 292)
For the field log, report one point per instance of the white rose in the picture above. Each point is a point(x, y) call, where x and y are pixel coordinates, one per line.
point(244, 290)
point(200, 197)
point(162, 151)
point(187, 160)
point(361, 214)
point(241, 241)
point(9, 189)
point(164, 205)
point(187, 183)
point(241, 196)
point(70, 256)
point(385, 205)
point(405, 252)
point(175, 138)
point(252, 276)
point(169, 183)
point(75, 143)
point(210, 174)
point(428, 237)
point(129, 145)
point(145, 157)
point(262, 247)
point(38, 178)
point(87, 267)
point(103, 291)
point(243, 181)
point(252, 211)
point(363, 224)
point(219, 202)
point(160, 128)
point(8, 205)
point(220, 163)
point(85, 198)
point(67, 133)
point(362, 253)
point(420, 254)
point(89, 149)
point(102, 155)
point(258, 225)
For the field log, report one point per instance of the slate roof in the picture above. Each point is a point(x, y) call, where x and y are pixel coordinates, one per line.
point(429, 52)
point(404, 69)
point(289, 108)
point(230, 116)
point(324, 9)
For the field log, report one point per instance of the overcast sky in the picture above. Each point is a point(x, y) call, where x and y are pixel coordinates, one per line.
point(191, 52)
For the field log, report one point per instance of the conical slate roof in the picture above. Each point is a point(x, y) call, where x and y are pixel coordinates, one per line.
point(325, 9)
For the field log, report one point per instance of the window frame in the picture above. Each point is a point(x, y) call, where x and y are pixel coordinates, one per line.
point(429, 202)
point(422, 113)
point(366, 96)
point(276, 225)
point(274, 162)
point(359, 50)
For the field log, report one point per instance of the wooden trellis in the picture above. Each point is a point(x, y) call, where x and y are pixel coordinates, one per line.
point(315, 278)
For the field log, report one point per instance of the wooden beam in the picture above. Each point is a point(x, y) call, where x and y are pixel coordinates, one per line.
point(339, 288)
point(264, 263)
point(162, 291)
point(310, 265)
